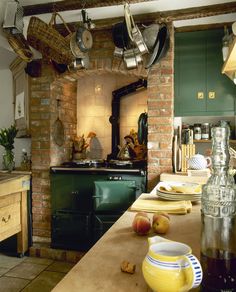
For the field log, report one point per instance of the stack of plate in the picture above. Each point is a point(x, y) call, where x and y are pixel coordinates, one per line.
point(178, 191)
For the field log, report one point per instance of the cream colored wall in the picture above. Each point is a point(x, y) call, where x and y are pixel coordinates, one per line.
point(94, 98)
point(7, 115)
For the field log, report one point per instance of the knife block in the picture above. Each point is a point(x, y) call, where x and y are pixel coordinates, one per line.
point(188, 150)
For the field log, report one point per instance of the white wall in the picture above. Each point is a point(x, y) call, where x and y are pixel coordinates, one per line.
point(7, 115)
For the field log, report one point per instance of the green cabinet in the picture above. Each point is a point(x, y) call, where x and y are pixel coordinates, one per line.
point(200, 87)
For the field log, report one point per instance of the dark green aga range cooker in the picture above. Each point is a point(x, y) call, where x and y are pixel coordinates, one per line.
point(86, 201)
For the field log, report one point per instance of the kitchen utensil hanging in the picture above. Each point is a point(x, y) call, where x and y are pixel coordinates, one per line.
point(58, 128)
point(134, 32)
point(20, 46)
point(47, 40)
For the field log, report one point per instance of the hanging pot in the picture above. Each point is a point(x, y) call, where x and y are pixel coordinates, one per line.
point(81, 42)
point(120, 36)
point(79, 63)
point(118, 52)
point(161, 46)
point(132, 58)
point(133, 31)
point(60, 68)
point(34, 68)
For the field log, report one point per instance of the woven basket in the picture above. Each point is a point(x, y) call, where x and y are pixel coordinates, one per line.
point(20, 47)
point(47, 40)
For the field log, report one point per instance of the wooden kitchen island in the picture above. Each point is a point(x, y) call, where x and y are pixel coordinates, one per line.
point(99, 270)
point(13, 208)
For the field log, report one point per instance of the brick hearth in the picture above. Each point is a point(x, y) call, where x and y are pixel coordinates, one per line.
point(45, 90)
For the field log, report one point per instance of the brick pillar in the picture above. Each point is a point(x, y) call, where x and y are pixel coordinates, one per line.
point(160, 115)
point(44, 91)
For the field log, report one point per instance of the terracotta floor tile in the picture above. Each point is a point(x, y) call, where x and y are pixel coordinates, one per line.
point(9, 284)
point(9, 262)
point(62, 267)
point(45, 282)
point(26, 271)
point(3, 270)
point(39, 261)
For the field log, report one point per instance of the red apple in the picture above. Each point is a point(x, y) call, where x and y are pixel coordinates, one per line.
point(141, 224)
point(161, 224)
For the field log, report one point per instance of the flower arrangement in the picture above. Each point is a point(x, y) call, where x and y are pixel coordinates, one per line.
point(7, 137)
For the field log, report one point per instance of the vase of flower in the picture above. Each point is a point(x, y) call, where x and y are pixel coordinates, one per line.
point(7, 137)
point(8, 161)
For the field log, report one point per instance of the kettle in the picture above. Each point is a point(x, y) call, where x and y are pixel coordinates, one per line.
point(199, 161)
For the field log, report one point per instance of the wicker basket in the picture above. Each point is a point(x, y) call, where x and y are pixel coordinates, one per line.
point(20, 46)
point(47, 40)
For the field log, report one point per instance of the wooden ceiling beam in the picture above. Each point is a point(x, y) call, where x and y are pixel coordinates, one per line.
point(166, 16)
point(72, 5)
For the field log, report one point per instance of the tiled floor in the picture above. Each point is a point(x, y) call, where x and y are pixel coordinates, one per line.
point(29, 274)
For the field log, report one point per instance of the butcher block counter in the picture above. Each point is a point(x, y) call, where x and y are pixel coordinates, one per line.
point(13, 208)
point(99, 270)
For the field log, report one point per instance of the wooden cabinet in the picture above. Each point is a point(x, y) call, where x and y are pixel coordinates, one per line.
point(21, 97)
point(200, 87)
point(13, 209)
point(229, 67)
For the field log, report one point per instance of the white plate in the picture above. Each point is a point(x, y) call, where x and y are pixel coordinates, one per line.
point(179, 197)
point(166, 187)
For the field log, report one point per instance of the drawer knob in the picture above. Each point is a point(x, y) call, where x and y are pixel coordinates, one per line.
point(6, 219)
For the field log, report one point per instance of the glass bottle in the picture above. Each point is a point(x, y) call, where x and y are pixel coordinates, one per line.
point(218, 235)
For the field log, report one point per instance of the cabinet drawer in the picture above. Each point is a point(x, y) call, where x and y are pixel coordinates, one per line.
point(9, 220)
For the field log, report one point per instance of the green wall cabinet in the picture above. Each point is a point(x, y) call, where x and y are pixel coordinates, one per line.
point(200, 87)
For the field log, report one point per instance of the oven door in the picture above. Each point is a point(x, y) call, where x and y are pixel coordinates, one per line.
point(71, 230)
point(113, 196)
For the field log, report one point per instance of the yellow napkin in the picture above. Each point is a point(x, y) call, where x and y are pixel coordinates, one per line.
point(149, 203)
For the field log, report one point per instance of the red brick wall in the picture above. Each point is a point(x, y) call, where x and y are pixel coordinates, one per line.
point(43, 111)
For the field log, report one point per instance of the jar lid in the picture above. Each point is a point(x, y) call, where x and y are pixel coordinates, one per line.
point(205, 124)
point(197, 125)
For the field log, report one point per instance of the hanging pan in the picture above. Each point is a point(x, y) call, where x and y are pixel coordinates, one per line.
point(58, 129)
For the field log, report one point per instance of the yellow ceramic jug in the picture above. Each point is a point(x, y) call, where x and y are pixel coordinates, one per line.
point(169, 266)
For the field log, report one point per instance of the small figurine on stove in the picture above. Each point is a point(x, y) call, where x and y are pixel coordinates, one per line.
point(127, 150)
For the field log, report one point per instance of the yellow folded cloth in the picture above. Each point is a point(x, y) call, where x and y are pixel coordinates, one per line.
point(149, 203)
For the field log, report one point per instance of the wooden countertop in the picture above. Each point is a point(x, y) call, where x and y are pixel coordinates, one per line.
point(13, 182)
point(99, 269)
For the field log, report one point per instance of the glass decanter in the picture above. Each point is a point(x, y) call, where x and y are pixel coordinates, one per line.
point(218, 235)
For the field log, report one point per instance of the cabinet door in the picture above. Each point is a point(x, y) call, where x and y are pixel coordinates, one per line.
point(220, 89)
point(71, 230)
point(201, 88)
point(71, 192)
point(190, 73)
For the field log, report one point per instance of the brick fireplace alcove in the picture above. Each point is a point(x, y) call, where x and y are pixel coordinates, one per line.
point(44, 92)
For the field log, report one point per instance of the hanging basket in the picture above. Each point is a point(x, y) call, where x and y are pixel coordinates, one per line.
point(47, 40)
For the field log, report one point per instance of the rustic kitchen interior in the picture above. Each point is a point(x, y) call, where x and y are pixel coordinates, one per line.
point(110, 125)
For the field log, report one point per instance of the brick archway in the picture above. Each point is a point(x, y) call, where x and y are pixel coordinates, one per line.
point(45, 90)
